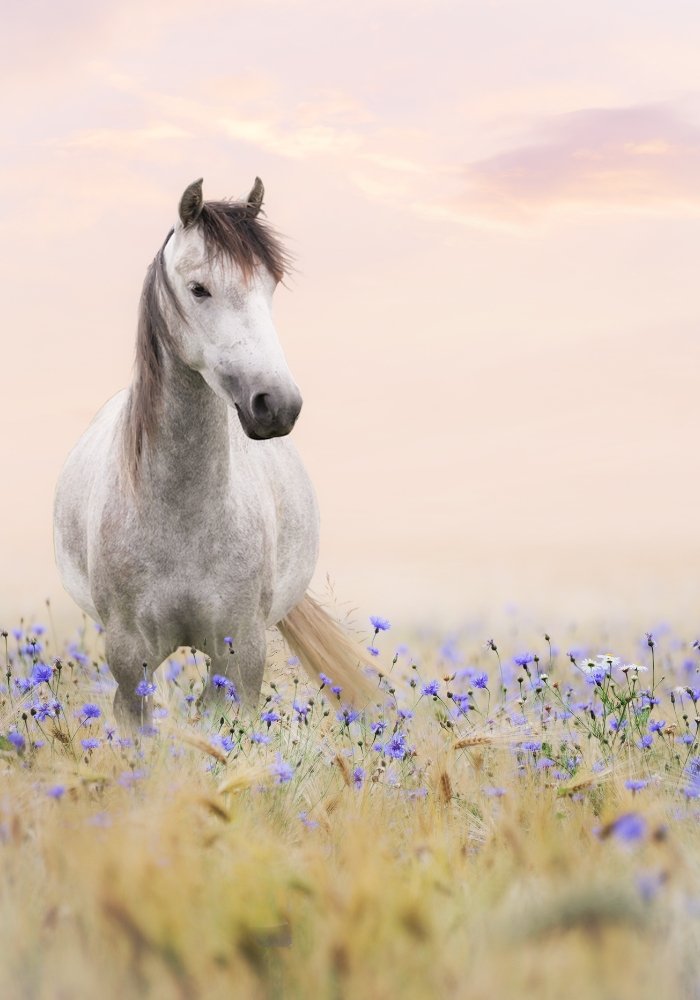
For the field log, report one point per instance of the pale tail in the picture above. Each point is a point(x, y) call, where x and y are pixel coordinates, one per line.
point(324, 648)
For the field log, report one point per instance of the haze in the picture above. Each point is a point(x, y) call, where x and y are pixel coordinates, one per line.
point(494, 208)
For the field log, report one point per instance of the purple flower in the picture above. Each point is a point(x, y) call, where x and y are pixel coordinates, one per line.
point(379, 624)
point(358, 776)
point(148, 731)
point(645, 742)
point(301, 709)
point(282, 770)
point(396, 747)
point(144, 689)
point(431, 688)
point(47, 710)
point(348, 715)
point(269, 718)
point(109, 732)
point(635, 784)
point(518, 719)
point(90, 743)
point(373, 651)
point(378, 727)
point(41, 673)
point(544, 762)
point(259, 738)
point(495, 793)
point(173, 670)
point(55, 791)
point(125, 743)
point(90, 711)
point(629, 827)
point(127, 779)
point(325, 680)
point(220, 682)
point(336, 689)
point(405, 713)
point(293, 661)
point(17, 740)
point(532, 745)
point(480, 680)
point(523, 660)
point(228, 640)
point(615, 725)
point(656, 726)
point(232, 694)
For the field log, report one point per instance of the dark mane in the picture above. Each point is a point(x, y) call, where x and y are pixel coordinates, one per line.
point(232, 229)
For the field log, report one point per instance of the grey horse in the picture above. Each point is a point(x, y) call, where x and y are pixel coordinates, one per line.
point(184, 511)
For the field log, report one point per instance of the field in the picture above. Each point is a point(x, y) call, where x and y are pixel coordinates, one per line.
point(510, 818)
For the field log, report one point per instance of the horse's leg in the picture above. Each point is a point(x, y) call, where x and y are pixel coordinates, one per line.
point(244, 668)
point(126, 655)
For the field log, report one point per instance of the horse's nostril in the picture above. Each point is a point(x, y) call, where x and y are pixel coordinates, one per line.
point(261, 407)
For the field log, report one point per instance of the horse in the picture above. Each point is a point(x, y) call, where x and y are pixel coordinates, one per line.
point(184, 514)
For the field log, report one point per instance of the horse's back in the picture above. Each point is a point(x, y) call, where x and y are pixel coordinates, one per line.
point(83, 471)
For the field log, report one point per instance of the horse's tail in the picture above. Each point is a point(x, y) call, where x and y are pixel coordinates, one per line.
point(324, 648)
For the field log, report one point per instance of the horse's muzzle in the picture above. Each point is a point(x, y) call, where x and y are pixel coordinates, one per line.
point(270, 414)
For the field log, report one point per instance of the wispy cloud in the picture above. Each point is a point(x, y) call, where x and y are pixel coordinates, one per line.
point(642, 159)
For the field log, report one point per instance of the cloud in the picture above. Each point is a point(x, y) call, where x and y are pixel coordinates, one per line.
point(642, 159)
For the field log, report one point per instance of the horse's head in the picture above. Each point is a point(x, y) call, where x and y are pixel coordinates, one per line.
point(222, 264)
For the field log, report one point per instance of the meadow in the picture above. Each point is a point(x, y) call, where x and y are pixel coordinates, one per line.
point(510, 817)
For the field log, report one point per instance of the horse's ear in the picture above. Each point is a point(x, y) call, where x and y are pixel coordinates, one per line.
point(191, 203)
point(255, 198)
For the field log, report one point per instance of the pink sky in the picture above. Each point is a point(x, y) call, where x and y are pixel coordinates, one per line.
point(495, 210)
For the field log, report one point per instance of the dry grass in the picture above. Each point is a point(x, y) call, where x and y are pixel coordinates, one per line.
point(174, 868)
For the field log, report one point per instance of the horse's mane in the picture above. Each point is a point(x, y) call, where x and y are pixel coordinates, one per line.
point(232, 229)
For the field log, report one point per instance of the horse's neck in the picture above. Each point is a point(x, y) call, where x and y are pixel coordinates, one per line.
point(192, 446)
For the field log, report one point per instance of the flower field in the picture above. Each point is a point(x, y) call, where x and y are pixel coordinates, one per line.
point(507, 818)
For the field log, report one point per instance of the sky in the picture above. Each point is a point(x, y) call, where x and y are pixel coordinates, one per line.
point(494, 209)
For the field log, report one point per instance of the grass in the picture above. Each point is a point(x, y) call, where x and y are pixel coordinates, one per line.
point(501, 852)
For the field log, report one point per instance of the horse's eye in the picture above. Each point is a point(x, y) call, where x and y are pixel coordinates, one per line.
point(199, 291)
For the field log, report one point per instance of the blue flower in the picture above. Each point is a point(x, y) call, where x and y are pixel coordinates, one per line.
point(282, 770)
point(55, 791)
point(358, 776)
point(269, 718)
point(532, 745)
point(635, 784)
point(148, 731)
point(379, 624)
point(109, 733)
point(645, 742)
point(656, 726)
point(90, 711)
point(480, 680)
point(125, 742)
point(543, 763)
point(90, 743)
point(17, 740)
point(405, 713)
point(232, 694)
point(378, 727)
point(293, 661)
point(325, 680)
point(616, 725)
point(42, 673)
point(431, 688)
point(310, 824)
point(336, 689)
point(47, 710)
point(260, 738)
point(686, 738)
point(129, 778)
point(495, 793)
point(373, 651)
point(348, 715)
point(301, 709)
point(523, 660)
point(396, 747)
point(220, 682)
point(228, 640)
point(628, 827)
point(173, 670)
point(518, 719)
point(144, 689)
